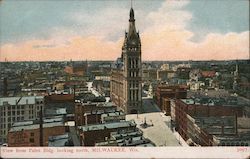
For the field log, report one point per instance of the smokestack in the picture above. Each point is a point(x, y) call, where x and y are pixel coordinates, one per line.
point(41, 127)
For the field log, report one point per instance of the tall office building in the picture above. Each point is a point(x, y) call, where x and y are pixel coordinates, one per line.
point(126, 88)
point(16, 109)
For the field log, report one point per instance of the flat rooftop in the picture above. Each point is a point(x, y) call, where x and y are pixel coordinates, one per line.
point(58, 141)
point(34, 124)
point(113, 114)
point(23, 100)
point(107, 126)
point(211, 101)
point(98, 104)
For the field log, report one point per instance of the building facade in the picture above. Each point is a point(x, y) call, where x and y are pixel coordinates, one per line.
point(15, 109)
point(27, 133)
point(126, 74)
point(205, 124)
point(166, 92)
point(92, 134)
point(90, 113)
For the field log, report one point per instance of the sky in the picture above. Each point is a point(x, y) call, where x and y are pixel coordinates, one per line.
point(47, 30)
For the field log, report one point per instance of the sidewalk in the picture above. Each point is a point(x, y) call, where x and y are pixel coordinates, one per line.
point(180, 139)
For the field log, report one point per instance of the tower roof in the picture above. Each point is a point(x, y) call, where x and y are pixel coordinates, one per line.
point(132, 37)
point(131, 15)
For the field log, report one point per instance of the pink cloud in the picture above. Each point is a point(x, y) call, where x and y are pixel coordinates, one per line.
point(176, 45)
point(76, 48)
point(165, 37)
point(162, 45)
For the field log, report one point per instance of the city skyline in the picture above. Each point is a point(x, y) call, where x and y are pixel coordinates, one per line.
point(79, 30)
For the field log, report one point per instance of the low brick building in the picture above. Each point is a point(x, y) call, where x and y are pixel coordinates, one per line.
point(166, 108)
point(91, 134)
point(27, 133)
point(199, 121)
point(169, 92)
point(91, 112)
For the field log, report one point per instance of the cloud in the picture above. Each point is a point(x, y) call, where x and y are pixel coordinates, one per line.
point(76, 48)
point(164, 36)
point(169, 39)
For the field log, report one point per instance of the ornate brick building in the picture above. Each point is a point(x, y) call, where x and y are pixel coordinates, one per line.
point(126, 73)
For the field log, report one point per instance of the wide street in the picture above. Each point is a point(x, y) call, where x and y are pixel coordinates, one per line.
point(158, 130)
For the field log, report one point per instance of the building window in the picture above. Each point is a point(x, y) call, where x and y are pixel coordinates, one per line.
point(32, 134)
point(32, 140)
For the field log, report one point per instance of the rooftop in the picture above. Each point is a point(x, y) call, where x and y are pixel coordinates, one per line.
point(35, 126)
point(112, 114)
point(107, 126)
point(127, 138)
point(211, 101)
point(59, 140)
point(29, 125)
point(22, 100)
point(98, 104)
point(217, 125)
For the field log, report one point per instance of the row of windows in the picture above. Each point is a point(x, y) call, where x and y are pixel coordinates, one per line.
point(3, 132)
point(11, 107)
point(12, 113)
point(134, 85)
point(133, 95)
point(134, 74)
point(17, 111)
point(133, 63)
point(133, 49)
point(13, 119)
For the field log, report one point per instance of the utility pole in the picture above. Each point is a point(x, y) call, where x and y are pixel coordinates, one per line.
point(41, 127)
